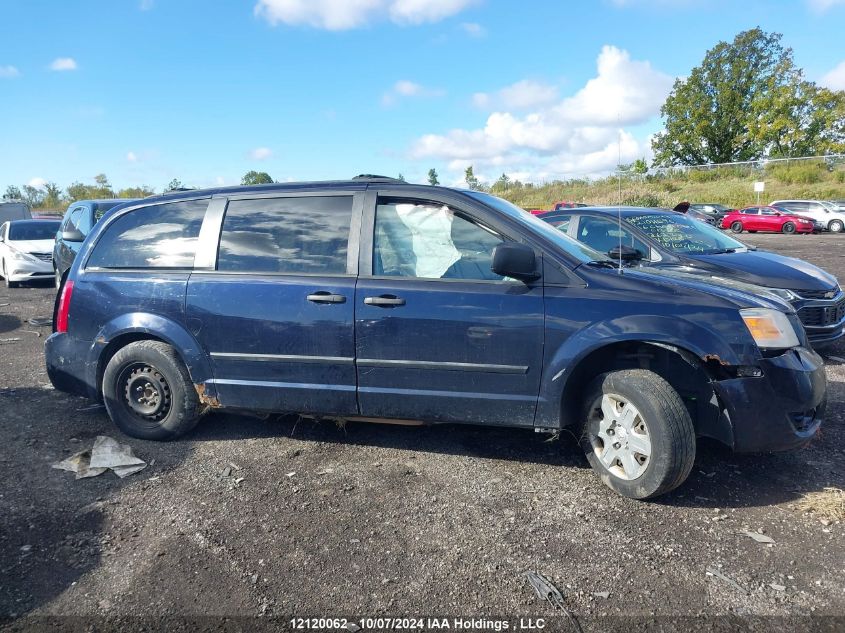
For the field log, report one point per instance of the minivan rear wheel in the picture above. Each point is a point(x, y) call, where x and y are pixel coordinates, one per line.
point(148, 392)
point(638, 435)
point(736, 227)
point(835, 226)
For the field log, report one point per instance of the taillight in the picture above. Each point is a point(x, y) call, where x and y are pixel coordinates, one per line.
point(64, 306)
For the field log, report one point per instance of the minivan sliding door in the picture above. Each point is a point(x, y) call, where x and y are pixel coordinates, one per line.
point(275, 312)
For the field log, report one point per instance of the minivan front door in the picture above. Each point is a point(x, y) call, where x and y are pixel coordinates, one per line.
point(275, 314)
point(439, 336)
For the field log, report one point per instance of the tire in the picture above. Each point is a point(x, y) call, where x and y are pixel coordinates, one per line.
point(736, 227)
point(788, 227)
point(171, 407)
point(835, 226)
point(661, 423)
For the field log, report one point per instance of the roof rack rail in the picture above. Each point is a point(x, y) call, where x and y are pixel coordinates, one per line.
point(376, 177)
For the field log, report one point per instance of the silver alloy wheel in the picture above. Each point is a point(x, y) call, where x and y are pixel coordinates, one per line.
point(623, 444)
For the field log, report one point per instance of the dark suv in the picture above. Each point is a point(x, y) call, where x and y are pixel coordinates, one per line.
point(79, 219)
point(373, 299)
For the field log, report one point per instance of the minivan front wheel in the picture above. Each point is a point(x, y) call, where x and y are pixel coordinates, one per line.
point(638, 435)
point(148, 392)
point(835, 226)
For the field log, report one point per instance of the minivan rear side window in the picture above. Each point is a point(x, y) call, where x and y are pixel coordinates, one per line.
point(307, 234)
point(157, 236)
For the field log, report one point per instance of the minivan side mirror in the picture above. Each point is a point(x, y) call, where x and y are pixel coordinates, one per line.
point(625, 253)
point(72, 235)
point(518, 261)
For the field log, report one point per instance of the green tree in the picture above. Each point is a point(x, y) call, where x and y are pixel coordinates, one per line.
point(52, 196)
point(12, 193)
point(471, 180)
point(256, 178)
point(432, 177)
point(174, 184)
point(77, 191)
point(33, 196)
point(136, 192)
point(503, 183)
point(745, 101)
point(401, 177)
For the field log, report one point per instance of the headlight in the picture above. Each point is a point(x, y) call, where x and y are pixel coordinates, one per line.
point(770, 329)
point(19, 256)
point(783, 293)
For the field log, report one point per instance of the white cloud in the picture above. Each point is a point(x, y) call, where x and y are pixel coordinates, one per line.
point(131, 157)
point(63, 63)
point(835, 79)
point(821, 6)
point(339, 15)
point(578, 135)
point(37, 182)
point(473, 29)
point(9, 72)
point(522, 95)
point(260, 153)
point(408, 89)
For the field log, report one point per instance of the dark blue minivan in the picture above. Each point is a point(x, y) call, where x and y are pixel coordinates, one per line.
point(373, 299)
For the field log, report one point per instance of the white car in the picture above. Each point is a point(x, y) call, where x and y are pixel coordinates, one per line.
point(830, 215)
point(26, 250)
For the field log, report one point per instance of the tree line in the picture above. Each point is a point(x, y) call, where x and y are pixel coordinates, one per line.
point(51, 197)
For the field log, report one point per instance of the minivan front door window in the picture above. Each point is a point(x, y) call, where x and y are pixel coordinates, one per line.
point(431, 241)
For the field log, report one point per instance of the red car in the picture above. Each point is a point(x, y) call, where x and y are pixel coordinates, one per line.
point(766, 219)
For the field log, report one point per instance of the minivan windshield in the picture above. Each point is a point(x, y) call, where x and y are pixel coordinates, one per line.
point(579, 251)
point(38, 230)
point(680, 234)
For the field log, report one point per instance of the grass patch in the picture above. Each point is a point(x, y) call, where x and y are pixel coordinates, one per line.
point(825, 504)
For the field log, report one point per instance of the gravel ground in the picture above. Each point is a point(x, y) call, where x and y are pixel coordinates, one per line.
point(286, 517)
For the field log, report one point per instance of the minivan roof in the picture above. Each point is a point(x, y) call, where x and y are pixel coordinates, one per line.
point(359, 183)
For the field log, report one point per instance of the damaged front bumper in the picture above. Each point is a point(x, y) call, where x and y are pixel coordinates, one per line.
point(780, 410)
point(25, 269)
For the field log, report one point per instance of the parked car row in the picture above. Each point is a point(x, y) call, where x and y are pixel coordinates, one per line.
point(668, 243)
point(374, 299)
point(44, 247)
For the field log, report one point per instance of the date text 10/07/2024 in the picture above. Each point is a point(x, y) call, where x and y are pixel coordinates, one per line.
point(418, 624)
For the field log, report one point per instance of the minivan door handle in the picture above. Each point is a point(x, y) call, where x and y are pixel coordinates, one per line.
point(384, 301)
point(325, 297)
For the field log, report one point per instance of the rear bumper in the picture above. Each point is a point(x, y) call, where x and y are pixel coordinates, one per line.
point(781, 410)
point(68, 367)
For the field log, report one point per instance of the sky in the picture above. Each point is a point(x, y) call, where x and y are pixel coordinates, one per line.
point(204, 90)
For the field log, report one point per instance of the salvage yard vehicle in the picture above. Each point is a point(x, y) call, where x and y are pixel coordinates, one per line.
point(14, 210)
point(766, 220)
point(25, 250)
point(79, 219)
point(668, 243)
point(829, 214)
point(376, 300)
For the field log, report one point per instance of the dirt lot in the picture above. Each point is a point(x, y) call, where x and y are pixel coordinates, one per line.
point(288, 517)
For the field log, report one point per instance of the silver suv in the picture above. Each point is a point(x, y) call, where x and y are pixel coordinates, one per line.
point(827, 213)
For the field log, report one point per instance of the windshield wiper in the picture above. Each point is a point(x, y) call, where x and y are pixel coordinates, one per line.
point(603, 263)
point(721, 251)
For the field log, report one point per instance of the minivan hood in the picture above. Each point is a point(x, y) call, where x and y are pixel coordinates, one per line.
point(739, 292)
point(761, 268)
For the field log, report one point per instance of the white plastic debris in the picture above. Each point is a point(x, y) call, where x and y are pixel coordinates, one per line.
point(760, 538)
point(106, 454)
